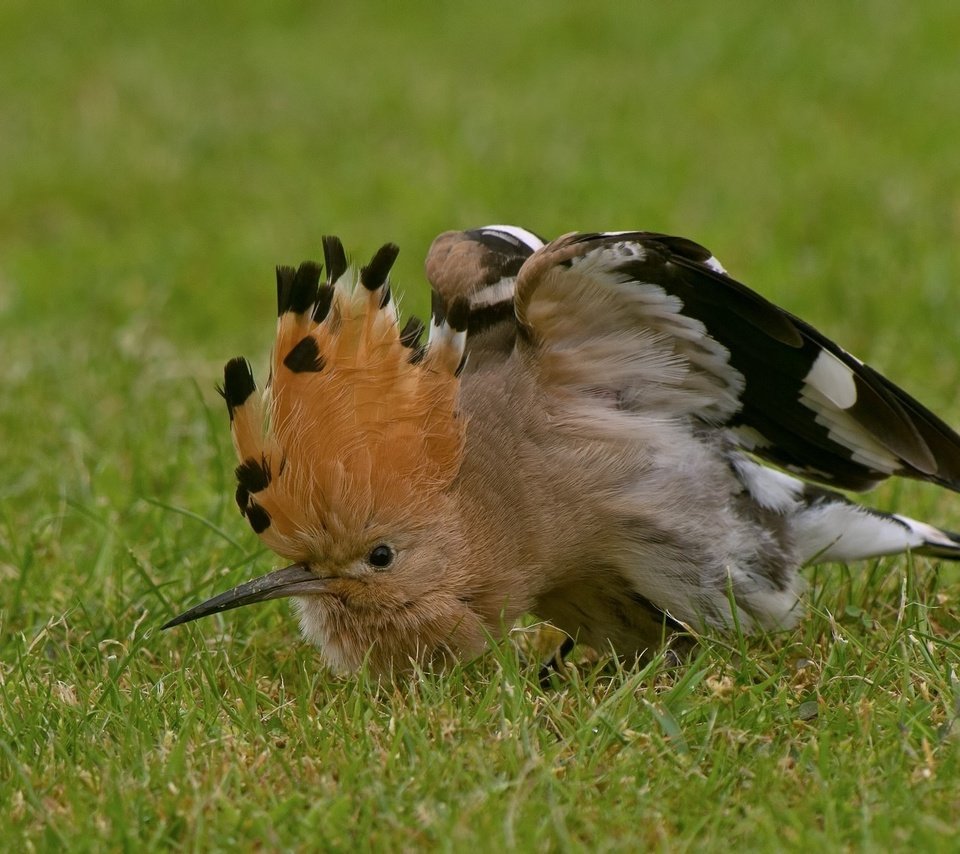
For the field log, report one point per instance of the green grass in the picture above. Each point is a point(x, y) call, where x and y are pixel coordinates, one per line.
point(156, 160)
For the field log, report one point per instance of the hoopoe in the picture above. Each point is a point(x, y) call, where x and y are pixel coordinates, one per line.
point(580, 438)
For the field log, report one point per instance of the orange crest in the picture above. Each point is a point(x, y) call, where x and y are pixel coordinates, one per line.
point(358, 425)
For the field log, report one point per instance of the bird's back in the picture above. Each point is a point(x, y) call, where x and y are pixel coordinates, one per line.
point(607, 426)
point(620, 534)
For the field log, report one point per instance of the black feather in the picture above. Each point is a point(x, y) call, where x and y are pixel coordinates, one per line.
point(238, 383)
point(254, 475)
point(411, 332)
point(334, 258)
point(438, 308)
point(375, 273)
point(458, 314)
point(303, 292)
point(242, 496)
point(285, 277)
point(324, 301)
point(258, 518)
point(305, 357)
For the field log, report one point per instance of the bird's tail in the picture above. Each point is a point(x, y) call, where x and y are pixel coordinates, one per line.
point(826, 526)
point(832, 528)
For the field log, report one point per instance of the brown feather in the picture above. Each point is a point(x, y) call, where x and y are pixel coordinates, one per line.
point(247, 428)
point(367, 436)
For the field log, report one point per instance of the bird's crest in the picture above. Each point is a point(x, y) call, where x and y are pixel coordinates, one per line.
point(358, 424)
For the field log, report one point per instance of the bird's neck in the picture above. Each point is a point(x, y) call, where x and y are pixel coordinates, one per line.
point(508, 539)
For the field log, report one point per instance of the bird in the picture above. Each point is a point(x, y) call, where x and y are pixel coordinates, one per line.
point(606, 431)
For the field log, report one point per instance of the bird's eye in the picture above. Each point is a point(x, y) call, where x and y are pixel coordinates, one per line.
point(381, 556)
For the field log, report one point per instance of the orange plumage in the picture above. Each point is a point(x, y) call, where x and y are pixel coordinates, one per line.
point(353, 427)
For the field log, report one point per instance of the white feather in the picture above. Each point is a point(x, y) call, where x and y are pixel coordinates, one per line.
point(527, 238)
point(833, 379)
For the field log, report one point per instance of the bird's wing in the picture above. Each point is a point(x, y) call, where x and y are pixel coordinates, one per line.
point(481, 265)
point(653, 323)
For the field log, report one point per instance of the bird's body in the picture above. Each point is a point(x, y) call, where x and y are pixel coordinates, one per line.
point(593, 461)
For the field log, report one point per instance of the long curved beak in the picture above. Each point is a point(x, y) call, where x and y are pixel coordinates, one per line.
point(289, 581)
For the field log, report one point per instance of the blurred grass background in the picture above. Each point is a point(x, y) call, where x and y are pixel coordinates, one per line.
point(156, 161)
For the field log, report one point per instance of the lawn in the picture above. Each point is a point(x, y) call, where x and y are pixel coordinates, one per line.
point(157, 160)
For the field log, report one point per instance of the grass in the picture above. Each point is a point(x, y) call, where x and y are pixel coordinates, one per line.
point(156, 161)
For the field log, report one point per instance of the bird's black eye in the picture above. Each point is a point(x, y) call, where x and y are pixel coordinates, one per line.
point(381, 556)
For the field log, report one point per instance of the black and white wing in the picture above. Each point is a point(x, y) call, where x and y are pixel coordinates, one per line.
point(481, 265)
point(653, 322)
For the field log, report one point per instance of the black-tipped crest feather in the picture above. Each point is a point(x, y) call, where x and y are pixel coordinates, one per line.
point(238, 383)
point(411, 332)
point(303, 292)
point(243, 496)
point(285, 276)
point(375, 273)
point(324, 301)
point(258, 518)
point(334, 257)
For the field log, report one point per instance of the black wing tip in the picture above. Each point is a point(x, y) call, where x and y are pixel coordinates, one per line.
point(374, 274)
point(944, 551)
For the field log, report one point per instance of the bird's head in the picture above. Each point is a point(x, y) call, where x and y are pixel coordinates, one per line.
point(347, 463)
